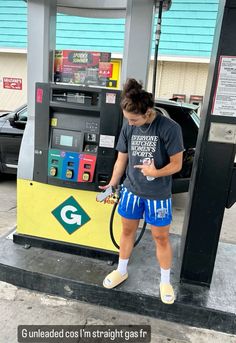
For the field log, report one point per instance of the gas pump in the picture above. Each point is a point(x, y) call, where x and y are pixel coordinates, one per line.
point(76, 130)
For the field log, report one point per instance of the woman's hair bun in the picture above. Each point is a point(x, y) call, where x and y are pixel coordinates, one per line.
point(131, 88)
point(134, 98)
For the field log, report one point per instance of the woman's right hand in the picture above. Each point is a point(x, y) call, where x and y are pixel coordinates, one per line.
point(105, 187)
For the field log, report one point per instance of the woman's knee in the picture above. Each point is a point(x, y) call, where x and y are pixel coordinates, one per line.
point(161, 238)
point(129, 227)
point(128, 231)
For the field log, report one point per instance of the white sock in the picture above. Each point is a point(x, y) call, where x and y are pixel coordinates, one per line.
point(165, 275)
point(122, 266)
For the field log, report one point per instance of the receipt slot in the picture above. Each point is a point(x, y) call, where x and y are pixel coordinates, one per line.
point(76, 131)
point(213, 183)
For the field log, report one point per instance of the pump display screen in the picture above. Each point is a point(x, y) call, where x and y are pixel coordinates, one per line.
point(66, 140)
point(63, 139)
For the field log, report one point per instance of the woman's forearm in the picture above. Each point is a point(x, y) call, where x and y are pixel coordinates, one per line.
point(119, 169)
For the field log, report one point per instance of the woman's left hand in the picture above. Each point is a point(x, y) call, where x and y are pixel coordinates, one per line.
point(147, 169)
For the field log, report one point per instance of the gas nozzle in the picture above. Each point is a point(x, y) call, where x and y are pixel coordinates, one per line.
point(105, 194)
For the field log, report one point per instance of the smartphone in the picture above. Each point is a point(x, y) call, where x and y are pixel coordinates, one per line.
point(147, 161)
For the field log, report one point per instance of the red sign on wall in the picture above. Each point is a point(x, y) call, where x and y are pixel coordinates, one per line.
point(12, 83)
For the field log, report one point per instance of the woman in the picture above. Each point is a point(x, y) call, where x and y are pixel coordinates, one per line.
point(150, 149)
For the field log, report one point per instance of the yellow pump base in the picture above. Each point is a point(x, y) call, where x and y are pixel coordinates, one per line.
point(65, 215)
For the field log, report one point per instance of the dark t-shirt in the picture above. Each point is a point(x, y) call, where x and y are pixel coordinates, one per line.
point(158, 140)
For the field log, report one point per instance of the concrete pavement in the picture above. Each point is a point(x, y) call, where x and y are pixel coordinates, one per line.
point(19, 306)
point(23, 307)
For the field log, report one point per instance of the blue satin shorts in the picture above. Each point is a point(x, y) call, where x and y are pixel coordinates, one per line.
point(154, 212)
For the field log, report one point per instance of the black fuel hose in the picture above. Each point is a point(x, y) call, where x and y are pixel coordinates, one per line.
point(111, 228)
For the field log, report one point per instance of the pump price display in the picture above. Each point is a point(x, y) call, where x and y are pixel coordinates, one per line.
point(90, 333)
point(66, 140)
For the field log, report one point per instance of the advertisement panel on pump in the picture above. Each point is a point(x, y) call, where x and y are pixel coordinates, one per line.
point(89, 68)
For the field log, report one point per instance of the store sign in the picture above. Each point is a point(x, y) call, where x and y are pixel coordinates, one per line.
point(12, 83)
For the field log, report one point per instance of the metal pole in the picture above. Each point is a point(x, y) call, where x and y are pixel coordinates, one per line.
point(157, 40)
point(213, 167)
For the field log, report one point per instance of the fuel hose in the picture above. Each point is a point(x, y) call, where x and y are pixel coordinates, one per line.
point(112, 231)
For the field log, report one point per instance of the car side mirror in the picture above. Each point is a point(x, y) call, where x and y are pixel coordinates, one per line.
point(20, 124)
point(14, 122)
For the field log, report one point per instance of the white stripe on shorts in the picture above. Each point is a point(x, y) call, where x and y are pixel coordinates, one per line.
point(128, 199)
point(149, 206)
point(155, 208)
point(167, 205)
point(134, 203)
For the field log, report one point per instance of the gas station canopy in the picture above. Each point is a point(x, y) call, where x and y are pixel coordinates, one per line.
point(99, 8)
